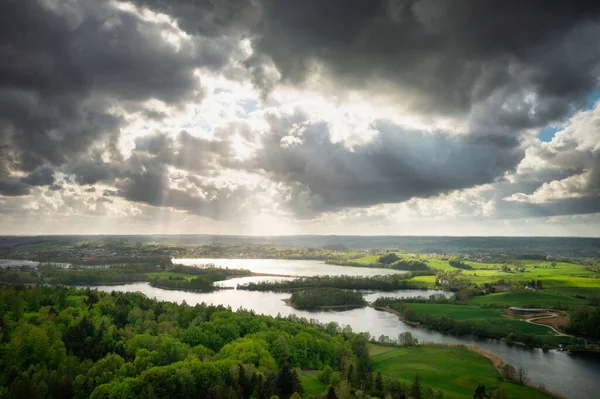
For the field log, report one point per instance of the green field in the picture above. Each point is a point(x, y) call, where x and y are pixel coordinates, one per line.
point(524, 299)
point(454, 371)
point(312, 386)
point(492, 317)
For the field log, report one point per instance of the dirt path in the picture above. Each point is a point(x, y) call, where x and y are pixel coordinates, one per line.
point(558, 332)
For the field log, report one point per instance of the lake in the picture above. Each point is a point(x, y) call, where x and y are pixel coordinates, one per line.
point(572, 376)
point(289, 267)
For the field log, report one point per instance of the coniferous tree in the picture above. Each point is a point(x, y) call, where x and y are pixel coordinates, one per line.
point(415, 388)
point(379, 384)
point(331, 393)
point(480, 392)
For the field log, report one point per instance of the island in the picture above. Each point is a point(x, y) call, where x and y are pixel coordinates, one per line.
point(326, 298)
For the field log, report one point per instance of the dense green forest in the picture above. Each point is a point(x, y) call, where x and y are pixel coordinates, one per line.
point(69, 343)
point(382, 283)
point(325, 297)
point(585, 322)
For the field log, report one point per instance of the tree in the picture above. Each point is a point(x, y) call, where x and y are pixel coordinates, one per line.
point(499, 393)
point(480, 392)
point(296, 382)
point(508, 372)
point(325, 375)
point(284, 382)
point(350, 375)
point(522, 376)
point(415, 388)
point(379, 384)
point(406, 339)
point(388, 258)
point(331, 393)
point(244, 385)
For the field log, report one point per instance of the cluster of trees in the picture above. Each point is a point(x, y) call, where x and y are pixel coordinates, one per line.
point(388, 258)
point(585, 322)
point(196, 284)
point(325, 297)
point(376, 385)
point(410, 265)
point(56, 275)
point(459, 264)
point(70, 343)
point(124, 273)
point(387, 261)
point(206, 276)
point(381, 283)
point(435, 298)
point(447, 325)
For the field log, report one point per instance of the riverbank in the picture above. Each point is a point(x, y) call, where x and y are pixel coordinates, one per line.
point(497, 362)
point(395, 312)
point(455, 370)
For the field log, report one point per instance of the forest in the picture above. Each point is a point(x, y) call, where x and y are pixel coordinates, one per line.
point(72, 343)
point(163, 275)
point(326, 297)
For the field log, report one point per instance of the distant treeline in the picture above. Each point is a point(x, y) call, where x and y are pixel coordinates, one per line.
point(325, 297)
point(381, 283)
point(126, 273)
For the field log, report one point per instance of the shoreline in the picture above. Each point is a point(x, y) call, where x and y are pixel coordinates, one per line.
point(393, 311)
point(497, 362)
point(415, 324)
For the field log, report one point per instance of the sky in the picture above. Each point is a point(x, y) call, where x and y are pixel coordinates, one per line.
point(269, 117)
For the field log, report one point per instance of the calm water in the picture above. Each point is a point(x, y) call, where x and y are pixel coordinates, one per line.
point(288, 267)
point(29, 263)
point(569, 375)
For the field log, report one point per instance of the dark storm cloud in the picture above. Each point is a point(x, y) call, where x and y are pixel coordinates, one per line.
point(447, 55)
point(444, 56)
point(395, 166)
point(504, 67)
point(147, 180)
point(62, 66)
point(21, 186)
point(501, 67)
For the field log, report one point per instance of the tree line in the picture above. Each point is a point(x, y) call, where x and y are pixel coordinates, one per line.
point(382, 283)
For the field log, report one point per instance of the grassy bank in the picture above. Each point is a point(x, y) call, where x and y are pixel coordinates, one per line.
point(456, 371)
